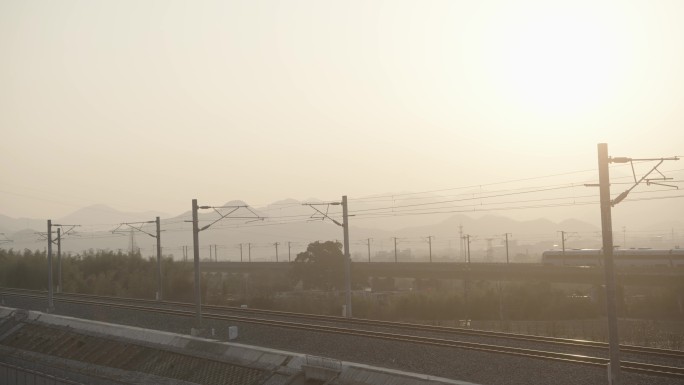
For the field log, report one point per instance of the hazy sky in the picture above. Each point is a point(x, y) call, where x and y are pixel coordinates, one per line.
point(144, 105)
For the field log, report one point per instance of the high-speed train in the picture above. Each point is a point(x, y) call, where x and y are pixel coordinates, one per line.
point(621, 257)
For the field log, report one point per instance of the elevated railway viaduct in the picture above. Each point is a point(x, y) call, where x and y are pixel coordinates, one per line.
point(629, 276)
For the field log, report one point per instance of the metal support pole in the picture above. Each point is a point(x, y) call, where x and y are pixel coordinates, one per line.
point(507, 234)
point(501, 312)
point(289, 254)
point(51, 304)
point(369, 257)
point(607, 233)
point(276, 246)
point(395, 249)
point(467, 248)
point(249, 251)
point(159, 260)
point(430, 245)
point(59, 259)
point(460, 245)
point(563, 242)
point(466, 281)
point(195, 250)
point(347, 257)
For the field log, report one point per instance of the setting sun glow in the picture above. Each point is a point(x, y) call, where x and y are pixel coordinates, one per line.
point(555, 60)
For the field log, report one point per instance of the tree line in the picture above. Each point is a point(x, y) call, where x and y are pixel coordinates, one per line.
point(315, 284)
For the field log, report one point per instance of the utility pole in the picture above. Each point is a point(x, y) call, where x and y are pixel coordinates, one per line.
point(345, 229)
point(466, 280)
point(276, 247)
point(395, 250)
point(506, 235)
point(59, 259)
point(134, 249)
point(241, 252)
point(249, 251)
point(159, 260)
point(466, 244)
point(196, 260)
point(489, 254)
point(563, 239)
point(607, 232)
point(138, 226)
point(195, 241)
point(461, 239)
point(468, 249)
point(430, 246)
point(289, 253)
point(369, 254)
point(61, 234)
point(51, 304)
point(347, 256)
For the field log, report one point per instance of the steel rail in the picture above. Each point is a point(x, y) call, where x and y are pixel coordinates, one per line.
point(635, 367)
point(644, 350)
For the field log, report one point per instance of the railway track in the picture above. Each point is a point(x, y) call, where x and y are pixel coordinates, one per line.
point(260, 317)
point(668, 353)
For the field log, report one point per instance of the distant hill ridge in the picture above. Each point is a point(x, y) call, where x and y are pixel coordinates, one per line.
point(283, 229)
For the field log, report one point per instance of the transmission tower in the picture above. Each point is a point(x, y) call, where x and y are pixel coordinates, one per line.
point(132, 245)
point(4, 239)
point(489, 254)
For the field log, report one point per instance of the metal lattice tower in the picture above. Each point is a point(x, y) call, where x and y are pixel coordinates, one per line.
point(132, 245)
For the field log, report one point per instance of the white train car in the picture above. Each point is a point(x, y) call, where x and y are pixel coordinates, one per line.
point(621, 257)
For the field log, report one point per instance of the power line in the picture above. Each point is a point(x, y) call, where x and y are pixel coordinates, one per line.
point(485, 207)
point(517, 201)
point(475, 186)
point(463, 199)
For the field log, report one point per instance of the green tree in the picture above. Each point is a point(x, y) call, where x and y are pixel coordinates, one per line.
point(321, 266)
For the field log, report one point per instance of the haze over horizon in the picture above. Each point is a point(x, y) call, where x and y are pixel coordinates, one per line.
point(492, 106)
point(290, 223)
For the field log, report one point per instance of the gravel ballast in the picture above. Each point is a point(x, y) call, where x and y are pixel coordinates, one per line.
point(459, 364)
